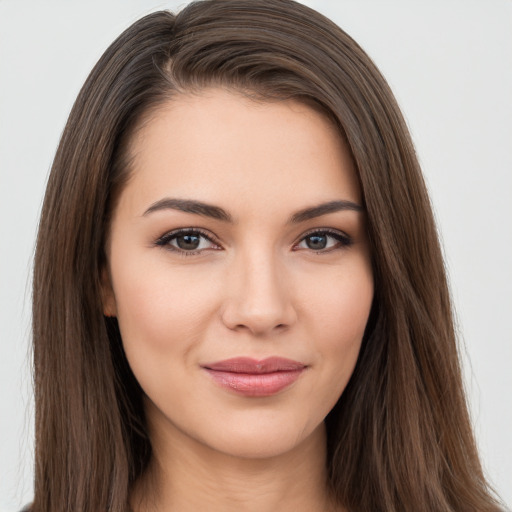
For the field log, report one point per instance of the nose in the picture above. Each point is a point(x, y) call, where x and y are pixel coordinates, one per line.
point(258, 296)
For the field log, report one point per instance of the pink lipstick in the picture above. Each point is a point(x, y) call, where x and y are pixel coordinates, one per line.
point(250, 377)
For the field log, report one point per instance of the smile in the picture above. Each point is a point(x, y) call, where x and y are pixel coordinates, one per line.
point(253, 378)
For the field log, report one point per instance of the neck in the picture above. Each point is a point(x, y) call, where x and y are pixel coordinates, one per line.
point(185, 475)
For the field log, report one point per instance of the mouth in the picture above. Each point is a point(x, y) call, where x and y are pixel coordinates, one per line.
point(255, 378)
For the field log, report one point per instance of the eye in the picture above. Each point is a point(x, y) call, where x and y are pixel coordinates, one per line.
point(187, 241)
point(324, 241)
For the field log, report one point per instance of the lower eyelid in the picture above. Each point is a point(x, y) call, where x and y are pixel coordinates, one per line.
point(342, 238)
point(165, 239)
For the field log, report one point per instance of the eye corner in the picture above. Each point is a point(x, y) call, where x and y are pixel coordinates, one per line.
point(343, 241)
point(164, 241)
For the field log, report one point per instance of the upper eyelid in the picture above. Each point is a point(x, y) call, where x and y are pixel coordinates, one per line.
point(162, 240)
point(200, 231)
point(215, 240)
point(327, 231)
point(209, 234)
point(324, 230)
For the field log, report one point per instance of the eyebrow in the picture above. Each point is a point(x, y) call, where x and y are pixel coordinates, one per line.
point(324, 209)
point(190, 206)
point(218, 213)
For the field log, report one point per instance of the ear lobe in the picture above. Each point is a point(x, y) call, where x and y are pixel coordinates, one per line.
point(108, 299)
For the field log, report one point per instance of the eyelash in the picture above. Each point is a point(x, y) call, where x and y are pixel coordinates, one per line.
point(343, 240)
point(164, 241)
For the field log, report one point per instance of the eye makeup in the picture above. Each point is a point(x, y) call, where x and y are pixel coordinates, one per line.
point(188, 241)
point(193, 241)
point(317, 240)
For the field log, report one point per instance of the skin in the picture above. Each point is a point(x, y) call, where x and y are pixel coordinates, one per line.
point(257, 289)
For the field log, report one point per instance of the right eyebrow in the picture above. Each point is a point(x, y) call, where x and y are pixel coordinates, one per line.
point(190, 206)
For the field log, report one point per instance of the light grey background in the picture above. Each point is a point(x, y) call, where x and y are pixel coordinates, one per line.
point(450, 65)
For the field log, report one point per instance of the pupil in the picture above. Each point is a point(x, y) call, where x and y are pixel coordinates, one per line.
point(188, 242)
point(317, 242)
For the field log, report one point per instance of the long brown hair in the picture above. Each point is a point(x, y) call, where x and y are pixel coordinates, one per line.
point(399, 438)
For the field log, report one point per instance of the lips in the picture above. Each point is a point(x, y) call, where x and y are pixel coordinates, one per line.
point(255, 378)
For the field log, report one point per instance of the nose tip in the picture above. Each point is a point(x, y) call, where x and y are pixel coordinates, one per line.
point(258, 301)
point(256, 320)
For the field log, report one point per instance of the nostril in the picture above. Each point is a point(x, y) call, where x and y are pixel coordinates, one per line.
point(258, 305)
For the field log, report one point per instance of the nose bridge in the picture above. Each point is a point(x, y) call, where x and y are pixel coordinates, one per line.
point(258, 297)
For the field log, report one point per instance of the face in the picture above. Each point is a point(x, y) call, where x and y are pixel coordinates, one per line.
point(239, 271)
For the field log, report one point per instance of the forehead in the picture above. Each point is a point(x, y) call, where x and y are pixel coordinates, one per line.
point(219, 146)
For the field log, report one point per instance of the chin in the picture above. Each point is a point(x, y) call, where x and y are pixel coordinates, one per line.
point(264, 440)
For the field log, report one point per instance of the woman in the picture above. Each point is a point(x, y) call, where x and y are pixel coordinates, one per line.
point(239, 297)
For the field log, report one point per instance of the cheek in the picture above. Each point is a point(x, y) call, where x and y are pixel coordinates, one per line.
point(338, 303)
point(160, 310)
point(348, 307)
point(339, 317)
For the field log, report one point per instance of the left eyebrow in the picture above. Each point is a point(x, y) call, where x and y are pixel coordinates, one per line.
point(323, 209)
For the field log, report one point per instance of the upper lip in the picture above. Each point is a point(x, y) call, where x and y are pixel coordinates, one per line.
point(255, 366)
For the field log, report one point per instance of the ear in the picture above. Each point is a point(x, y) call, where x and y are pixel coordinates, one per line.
point(107, 294)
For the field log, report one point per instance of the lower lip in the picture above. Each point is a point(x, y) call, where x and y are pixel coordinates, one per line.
point(255, 384)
